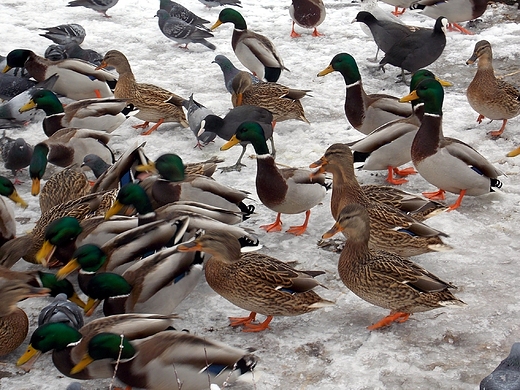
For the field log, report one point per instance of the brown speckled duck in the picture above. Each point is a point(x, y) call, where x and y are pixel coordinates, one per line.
point(383, 278)
point(155, 104)
point(255, 282)
point(489, 96)
point(307, 14)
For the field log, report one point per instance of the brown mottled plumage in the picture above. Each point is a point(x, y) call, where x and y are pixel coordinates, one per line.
point(154, 103)
point(491, 97)
point(392, 230)
point(256, 282)
point(383, 278)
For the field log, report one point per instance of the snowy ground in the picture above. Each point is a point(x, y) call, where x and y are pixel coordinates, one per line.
point(328, 349)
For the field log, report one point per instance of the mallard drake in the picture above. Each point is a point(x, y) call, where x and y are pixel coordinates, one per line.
point(66, 147)
point(154, 103)
point(227, 126)
point(383, 278)
point(283, 102)
point(68, 345)
point(7, 221)
point(179, 11)
point(365, 112)
point(455, 11)
point(94, 114)
point(230, 71)
point(491, 97)
point(392, 230)
point(447, 163)
point(77, 79)
point(65, 33)
point(507, 373)
point(256, 52)
point(284, 190)
point(255, 282)
point(307, 14)
point(101, 6)
point(16, 153)
point(14, 323)
point(182, 32)
point(167, 358)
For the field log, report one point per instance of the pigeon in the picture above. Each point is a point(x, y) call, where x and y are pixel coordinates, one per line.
point(62, 310)
point(507, 375)
point(182, 32)
point(72, 50)
point(96, 164)
point(180, 12)
point(11, 85)
point(230, 71)
point(16, 153)
point(196, 114)
point(219, 3)
point(65, 33)
point(101, 6)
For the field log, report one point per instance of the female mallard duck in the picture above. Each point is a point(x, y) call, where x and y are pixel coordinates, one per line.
point(77, 79)
point(447, 163)
point(307, 14)
point(68, 345)
point(255, 282)
point(7, 221)
point(364, 112)
point(14, 323)
point(389, 146)
point(66, 147)
point(392, 230)
point(154, 103)
point(168, 358)
point(256, 52)
point(284, 190)
point(383, 278)
point(283, 102)
point(491, 97)
point(94, 114)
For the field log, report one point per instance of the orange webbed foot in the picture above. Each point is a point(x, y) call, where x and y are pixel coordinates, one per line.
point(153, 128)
point(143, 125)
point(276, 226)
point(299, 230)
point(458, 201)
point(237, 321)
point(392, 317)
point(249, 327)
point(435, 195)
point(499, 132)
point(316, 33)
point(405, 171)
point(480, 118)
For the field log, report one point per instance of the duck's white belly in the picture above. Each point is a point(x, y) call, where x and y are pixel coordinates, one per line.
point(453, 10)
point(393, 154)
point(77, 86)
point(249, 60)
point(300, 198)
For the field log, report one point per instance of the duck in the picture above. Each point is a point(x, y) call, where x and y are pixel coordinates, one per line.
point(62, 310)
point(7, 218)
point(255, 51)
point(68, 345)
point(507, 374)
point(95, 114)
point(283, 190)
point(196, 114)
point(307, 14)
point(179, 11)
point(392, 230)
point(65, 33)
point(365, 112)
point(168, 357)
point(455, 11)
point(154, 103)
point(77, 79)
point(400, 6)
point(16, 153)
point(230, 71)
point(389, 146)
point(14, 324)
point(384, 278)
point(101, 6)
point(255, 282)
point(417, 50)
point(182, 32)
point(283, 102)
point(491, 97)
point(225, 127)
point(66, 147)
point(447, 163)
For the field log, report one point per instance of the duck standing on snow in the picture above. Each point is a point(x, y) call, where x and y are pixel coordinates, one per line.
point(307, 14)
point(256, 52)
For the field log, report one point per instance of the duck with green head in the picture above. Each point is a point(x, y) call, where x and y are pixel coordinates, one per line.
point(61, 233)
point(365, 112)
point(447, 163)
point(256, 52)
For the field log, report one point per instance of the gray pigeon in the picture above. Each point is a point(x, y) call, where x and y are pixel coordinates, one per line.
point(230, 71)
point(96, 164)
point(74, 386)
point(507, 375)
point(11, 85)
point(62, 310)
point(182, 32)
point(196, 113)
point(65, 33)
point(218, 3)
point(101, 6)
point(179, 11)
point(72, 50)
point(16, 153)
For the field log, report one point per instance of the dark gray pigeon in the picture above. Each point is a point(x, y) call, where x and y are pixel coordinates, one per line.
point(182, 32)
point(65, 33)
point(230, 71)
point(178, 11)
point(196, 114)
point(16, 153)
point(62, 310)
point(507, 375)
point(72, 50)
point(96, 164)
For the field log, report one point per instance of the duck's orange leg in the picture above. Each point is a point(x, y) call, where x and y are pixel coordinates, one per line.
point(237, 321)
point(294, 34)
point(392, 180)
point(143, 125)
point(405, 171)
point(396, 11)
point(480, 118)
point(299, 230)
point(153, 128)
point(276, 226)
point(459, 28)
point(249, 327)
point(499, 131)
point(458, 201)
point(315, 33)
point(436, 195)
point(392, 317)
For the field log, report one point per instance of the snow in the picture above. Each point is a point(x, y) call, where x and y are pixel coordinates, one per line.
point(330, 348)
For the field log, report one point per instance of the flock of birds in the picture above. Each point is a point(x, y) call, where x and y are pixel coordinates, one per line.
point(144, 232)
